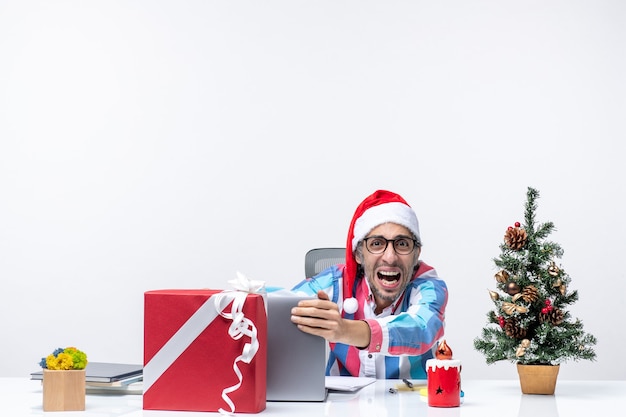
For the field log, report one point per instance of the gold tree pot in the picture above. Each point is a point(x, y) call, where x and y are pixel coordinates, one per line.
point(538, 379)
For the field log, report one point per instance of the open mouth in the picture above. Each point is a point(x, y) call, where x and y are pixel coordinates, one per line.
point(389, 279)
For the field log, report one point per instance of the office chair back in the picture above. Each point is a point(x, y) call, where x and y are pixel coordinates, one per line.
point(316, 260)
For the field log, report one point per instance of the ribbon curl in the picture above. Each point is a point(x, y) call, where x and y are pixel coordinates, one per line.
point(241, 326)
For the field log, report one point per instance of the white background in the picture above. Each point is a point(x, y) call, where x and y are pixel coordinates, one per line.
point(168, 144)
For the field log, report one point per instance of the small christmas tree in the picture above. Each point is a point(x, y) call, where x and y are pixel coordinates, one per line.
point(530, 323)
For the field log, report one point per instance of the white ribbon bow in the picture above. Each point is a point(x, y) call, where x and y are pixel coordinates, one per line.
point(242, 283)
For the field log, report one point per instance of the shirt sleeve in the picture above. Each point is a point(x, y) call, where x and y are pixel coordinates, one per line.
point(328, 281)
point(419, 324)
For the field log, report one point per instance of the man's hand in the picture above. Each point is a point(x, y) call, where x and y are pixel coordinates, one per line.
point(321, 317)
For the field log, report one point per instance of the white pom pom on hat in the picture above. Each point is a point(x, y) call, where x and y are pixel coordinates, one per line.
point(350, 305)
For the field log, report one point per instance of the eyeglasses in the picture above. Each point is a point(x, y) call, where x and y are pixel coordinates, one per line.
point(378, 245)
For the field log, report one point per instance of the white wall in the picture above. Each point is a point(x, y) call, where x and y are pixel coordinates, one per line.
point(169, 144)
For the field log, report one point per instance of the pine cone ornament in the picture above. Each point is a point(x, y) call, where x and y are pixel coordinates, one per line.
point(530, 294)
point(512, 329)
point(553, 316)
point(515, 238)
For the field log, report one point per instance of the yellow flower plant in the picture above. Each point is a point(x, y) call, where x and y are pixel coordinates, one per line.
point(64, 359)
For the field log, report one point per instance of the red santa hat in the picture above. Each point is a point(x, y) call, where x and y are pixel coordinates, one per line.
point(380, 207)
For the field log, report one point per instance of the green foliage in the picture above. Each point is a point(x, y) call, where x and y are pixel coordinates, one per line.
point(530, 323)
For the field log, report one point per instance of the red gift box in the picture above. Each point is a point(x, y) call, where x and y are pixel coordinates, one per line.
point(193, 363)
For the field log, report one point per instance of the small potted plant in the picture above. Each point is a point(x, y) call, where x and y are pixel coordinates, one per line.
point(530, 324)
point(64, 380)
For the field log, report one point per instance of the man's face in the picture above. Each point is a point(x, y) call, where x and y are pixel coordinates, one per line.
point(387, 273)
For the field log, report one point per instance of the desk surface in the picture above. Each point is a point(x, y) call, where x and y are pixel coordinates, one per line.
point(23, 397)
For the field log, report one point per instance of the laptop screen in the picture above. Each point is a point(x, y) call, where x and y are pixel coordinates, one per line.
point(296, 361)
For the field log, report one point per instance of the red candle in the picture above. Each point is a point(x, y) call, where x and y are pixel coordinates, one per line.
point(444, 382)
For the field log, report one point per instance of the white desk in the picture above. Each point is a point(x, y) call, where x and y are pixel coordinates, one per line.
point(483, 398)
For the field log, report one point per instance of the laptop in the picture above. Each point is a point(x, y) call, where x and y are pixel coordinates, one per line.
point(296, 361)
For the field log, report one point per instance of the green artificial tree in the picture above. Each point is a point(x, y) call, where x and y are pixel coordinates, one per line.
point(530, 323)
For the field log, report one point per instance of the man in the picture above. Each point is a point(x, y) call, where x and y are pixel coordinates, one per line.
point(383, 311)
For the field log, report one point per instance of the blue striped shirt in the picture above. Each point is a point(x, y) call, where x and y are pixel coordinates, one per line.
point(403, 336)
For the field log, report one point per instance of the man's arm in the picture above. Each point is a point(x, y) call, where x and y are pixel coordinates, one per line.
point(321, 317)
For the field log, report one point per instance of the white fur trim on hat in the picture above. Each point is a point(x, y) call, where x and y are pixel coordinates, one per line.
point(395, 212)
